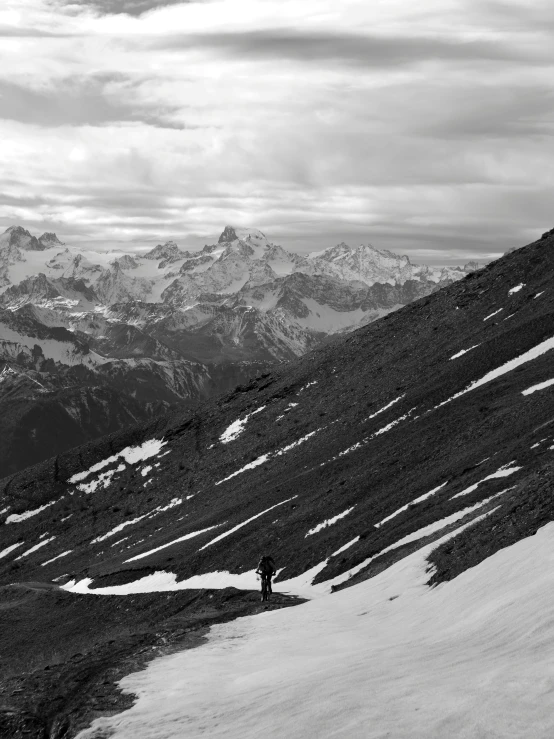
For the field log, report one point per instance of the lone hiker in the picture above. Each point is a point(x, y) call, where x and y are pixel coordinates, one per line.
point(266, 570)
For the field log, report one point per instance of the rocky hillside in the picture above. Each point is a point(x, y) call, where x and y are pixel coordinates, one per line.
point(431, 424)
point(131, 335)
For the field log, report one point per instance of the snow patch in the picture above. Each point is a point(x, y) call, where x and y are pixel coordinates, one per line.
point(413, 502)
point(131, 455)
point(7, 550)
point(18, 517)
point(103, 480)
point(527, 356)
point(314, 382)
point(265, 457)
point(384, 408)
point(493, 314)
point(118, 528)
point(504, 471)
point(464, 351)
point(328, 522)
point(237, 427)
point(540, 386)
point(37, 546)
point(58, 556)
point(516, 289)
point(244, 523)
point(171, 543)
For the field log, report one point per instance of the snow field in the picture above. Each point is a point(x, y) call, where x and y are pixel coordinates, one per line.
point(384, 408)
point(367, 439)
point(305, 387)
point(527, 356)
point(265, 457)
point(35, 548)
point(103, 480)
point(8, 550)
point(171, 543)
point(131, 455)
point(464, 351)
point(301, 585)
point(18, 517)
point(413, 502)
point(504, 471)
point(540, 386)
point(244, 523)
point(58, 556)
point(233, 431)
point(328, 522)
point(389, 657)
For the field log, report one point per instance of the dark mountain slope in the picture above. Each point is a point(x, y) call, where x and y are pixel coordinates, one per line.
point(347, 435)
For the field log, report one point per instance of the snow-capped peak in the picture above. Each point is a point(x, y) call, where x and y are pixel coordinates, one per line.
point(21, 238)
point(49, 240)
point(166, 251)
point(234, 233)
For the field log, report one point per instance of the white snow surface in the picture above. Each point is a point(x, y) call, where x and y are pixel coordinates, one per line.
point(264, 458)
point(540, 386)
point(413, 502)
point(250, 466)
point(384, 408)
point(527, 356)
point(504, 471)
point(394, 423)
point(131, 455)
point(492, 314)
point(244, 523)
point(7, 550)
point(237, 427)
point(329, 522)
point(58, 556)
point(18, 517)
point(37, 546)
point(464, 351)
point(104, 479)
point(469, 658)
point(171, 543)
point(516, 289)
point(118, 528)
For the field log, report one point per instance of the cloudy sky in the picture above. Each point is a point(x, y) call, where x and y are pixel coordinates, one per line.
point(423, 127)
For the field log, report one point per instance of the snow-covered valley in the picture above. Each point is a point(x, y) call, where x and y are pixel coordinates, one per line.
point(387, 657)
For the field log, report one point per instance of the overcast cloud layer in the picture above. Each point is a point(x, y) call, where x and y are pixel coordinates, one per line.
point(426, 128)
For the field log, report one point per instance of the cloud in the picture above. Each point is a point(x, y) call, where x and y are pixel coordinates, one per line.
point(364, 50)
point(75, 101)
point(134, 8)
point(420, 127)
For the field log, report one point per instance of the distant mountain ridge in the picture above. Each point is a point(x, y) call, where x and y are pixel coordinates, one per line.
point(184, 323)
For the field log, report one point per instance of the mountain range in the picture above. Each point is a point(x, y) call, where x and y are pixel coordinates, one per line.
point(401, 478)
point(101, 340)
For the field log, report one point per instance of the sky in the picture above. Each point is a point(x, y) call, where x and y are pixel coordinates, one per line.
point(425, 128)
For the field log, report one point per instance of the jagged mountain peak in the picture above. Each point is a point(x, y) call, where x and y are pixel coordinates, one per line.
point(125, 262)
point(49, 240)
point(234, 233)
point(169, 250)
point(17, 236)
